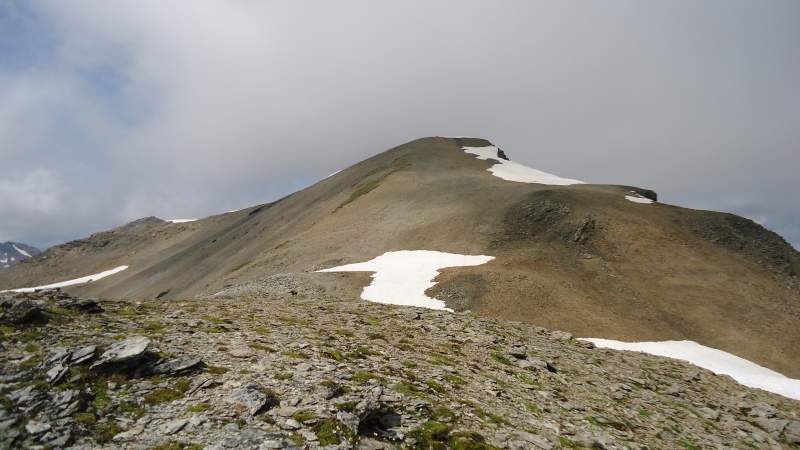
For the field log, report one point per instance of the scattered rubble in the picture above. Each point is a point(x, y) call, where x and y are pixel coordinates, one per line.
point(300, 372)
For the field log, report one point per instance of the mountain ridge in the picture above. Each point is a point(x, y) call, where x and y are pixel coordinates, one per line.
point(581, 257)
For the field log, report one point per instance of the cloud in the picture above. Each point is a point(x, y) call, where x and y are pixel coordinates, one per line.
point(183, 109)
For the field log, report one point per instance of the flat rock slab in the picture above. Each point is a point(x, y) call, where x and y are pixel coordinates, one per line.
point(125, 350)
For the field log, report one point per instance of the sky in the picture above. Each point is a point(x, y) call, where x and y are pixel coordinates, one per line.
point(112, 111)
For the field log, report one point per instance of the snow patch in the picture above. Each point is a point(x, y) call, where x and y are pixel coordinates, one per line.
point(82, 280)
point(511, 171)
point(636, 198)
point(21, 251)
point(717, 361)
point(180, 220)
point(402, 277)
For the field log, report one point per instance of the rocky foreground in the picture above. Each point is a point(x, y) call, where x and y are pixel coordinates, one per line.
point(295, 372)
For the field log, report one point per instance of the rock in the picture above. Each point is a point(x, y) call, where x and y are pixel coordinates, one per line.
point(173, 426)
point(84, 305)
point(241, 352)
point(291, 424)
point(349, 420)
point(21, 311)
point(122, 351)
point(56, 373)
point(773, 427)
point(128, 435)
point(590, 439)
point(536, 441)
point(34, 427)
point(792, 432)
point(560, 335)
point(83, 354)
point(518, 352)
point(252, 399)
point(177, 366)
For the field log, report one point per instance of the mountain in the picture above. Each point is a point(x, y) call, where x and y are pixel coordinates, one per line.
point(598, 261)
point(12, 253)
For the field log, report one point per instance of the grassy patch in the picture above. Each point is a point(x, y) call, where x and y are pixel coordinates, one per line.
point(284, 376)
point(501, 358)
point(217, 370)
point(346, 406)
point(332, 432)
point(532, 407)
point(175, 445)
point(362, 189)
point(304, 416)
point(335, 355)
point(198, 407)
point(363, 377)
point(257, 346)
point(295, 355)
point(167, 394)
point(434, 386)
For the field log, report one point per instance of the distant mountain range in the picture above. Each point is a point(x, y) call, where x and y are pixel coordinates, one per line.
point(12, 253)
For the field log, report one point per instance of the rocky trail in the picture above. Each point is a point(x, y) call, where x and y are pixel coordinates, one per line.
point(297, 371)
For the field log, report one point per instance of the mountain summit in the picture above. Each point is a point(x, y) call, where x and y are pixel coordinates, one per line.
point(602, 261)
point(12, 253)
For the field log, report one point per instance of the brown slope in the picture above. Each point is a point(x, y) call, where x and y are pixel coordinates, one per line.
point(580, 258)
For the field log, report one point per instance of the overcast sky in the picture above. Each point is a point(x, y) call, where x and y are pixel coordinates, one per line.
point(111, 111)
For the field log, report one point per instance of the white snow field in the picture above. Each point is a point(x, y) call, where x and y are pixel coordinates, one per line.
point(636, 198)
point(180, 220)
point(402, 277)
point(717, 361)
point(21, 251)
point(511, 171)
point(82, 280)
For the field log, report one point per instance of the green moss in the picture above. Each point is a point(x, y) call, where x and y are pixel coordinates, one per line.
point(29, 335)
point(217, 370)
point(298, 439)
point(175, 445)
point(263, 347)
point(688, 445)
point(407, 388)
point(532, 407)
point(432, 435)
point(295, 355)
point(284, 376)
point(101, 399)
point(32, 348)
point(304, 416)
point(85, 418)
point(333, 432)
point(335, 355)
point(163, 395)
point(469, 441)
point(131, 409)
point(501, 358)
point(363, 377)
point(442, 360)
point(443, 414)
point(198, 407)
point(103, 433)
point(362, 189)
point(346, 406)
point(261, 330)
point(154, 326)
point(435, 386)
point(31, 362)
